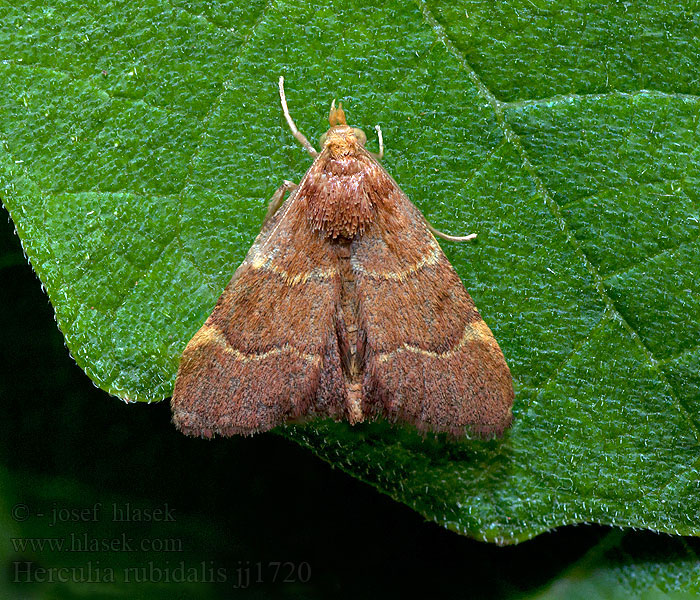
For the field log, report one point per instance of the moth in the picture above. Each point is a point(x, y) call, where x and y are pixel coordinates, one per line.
point(344, 307)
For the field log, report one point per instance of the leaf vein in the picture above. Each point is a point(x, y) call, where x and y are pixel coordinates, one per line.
point(70, 76)
point(628, 185)
point(203, 17)
point(650, 258)
point(566, 98)
point(678, 355)
point(205, 121)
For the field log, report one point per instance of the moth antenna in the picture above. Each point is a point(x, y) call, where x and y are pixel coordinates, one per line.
point(378, 129)
point(450, 238)
point(301, 138)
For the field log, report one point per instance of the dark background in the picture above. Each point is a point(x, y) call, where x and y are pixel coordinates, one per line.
point(238, 503)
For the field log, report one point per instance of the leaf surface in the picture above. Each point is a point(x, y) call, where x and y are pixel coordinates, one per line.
point(140, 143)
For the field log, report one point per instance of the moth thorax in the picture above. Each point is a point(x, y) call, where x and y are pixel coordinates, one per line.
point(341, 203)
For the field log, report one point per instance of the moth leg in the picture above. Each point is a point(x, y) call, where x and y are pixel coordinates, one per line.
point(278, 198)
point(449, 238)
point(301, 138)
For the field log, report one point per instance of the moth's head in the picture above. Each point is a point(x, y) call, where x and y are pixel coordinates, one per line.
point(341, 139)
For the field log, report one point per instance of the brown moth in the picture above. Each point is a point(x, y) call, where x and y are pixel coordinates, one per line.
point(345, 307)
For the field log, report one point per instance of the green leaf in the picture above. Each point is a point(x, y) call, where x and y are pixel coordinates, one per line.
point(140, 144)
point(628, 565)
point(85, 450)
